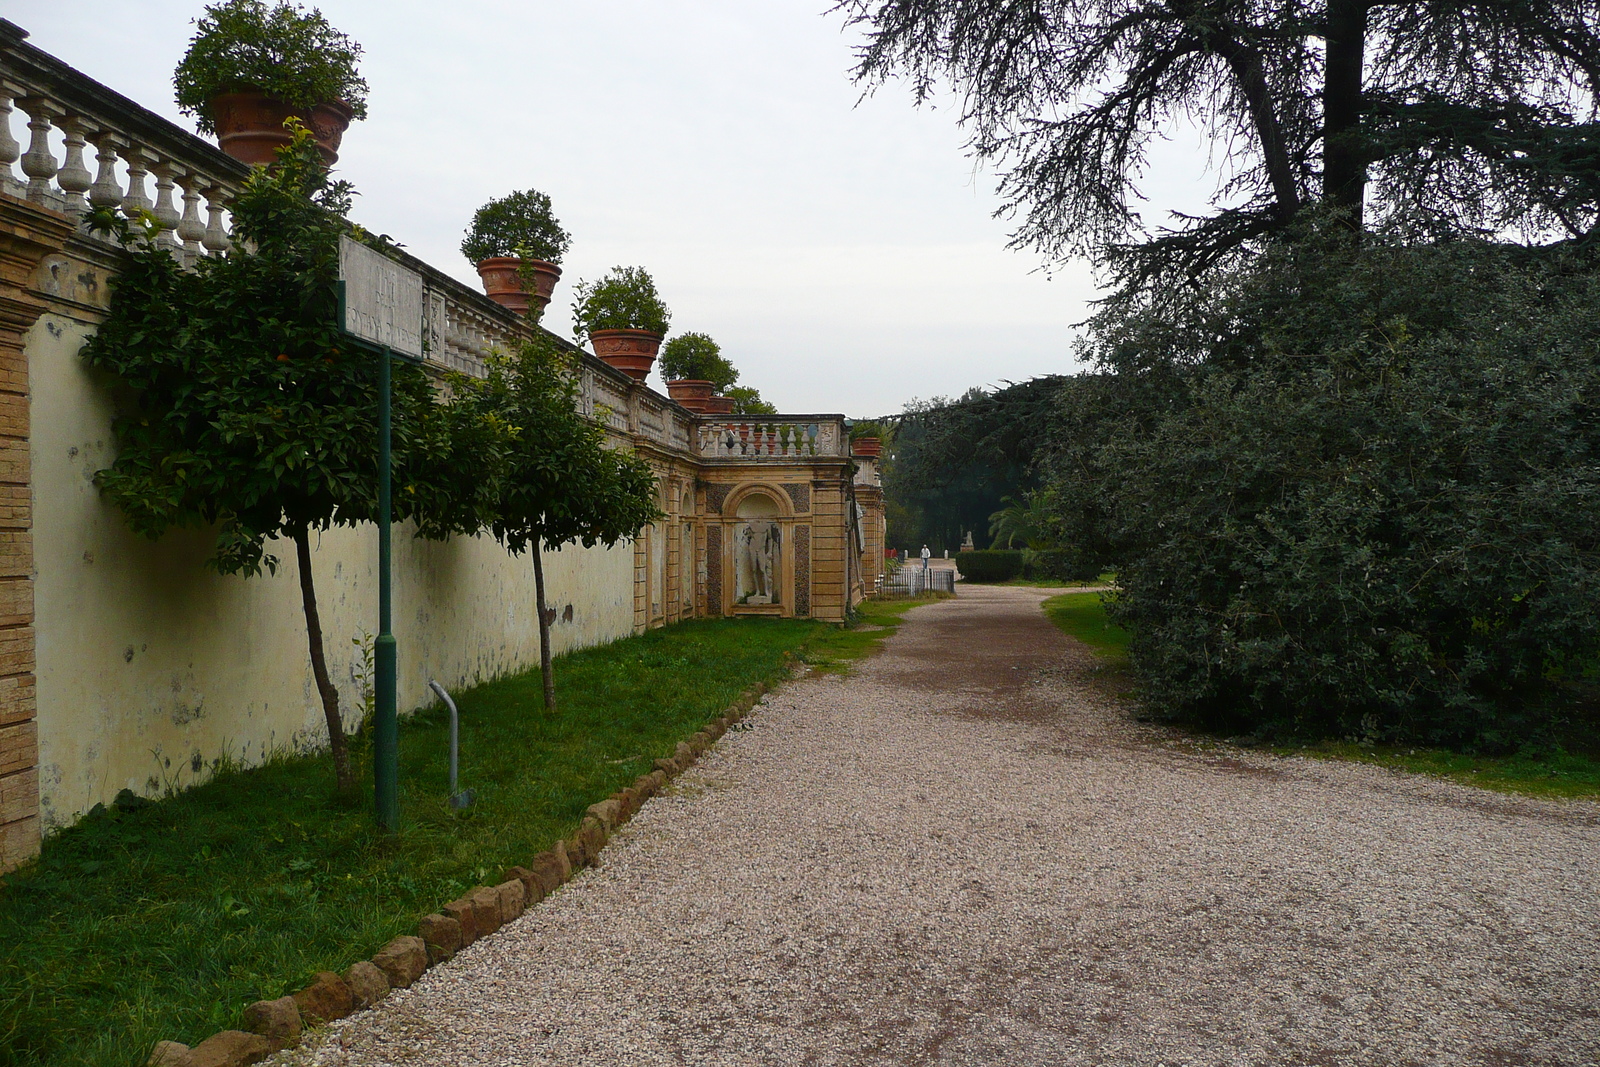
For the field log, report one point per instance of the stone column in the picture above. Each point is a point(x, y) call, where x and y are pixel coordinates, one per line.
point(27, 234)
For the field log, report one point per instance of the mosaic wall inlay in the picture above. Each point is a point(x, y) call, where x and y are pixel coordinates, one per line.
point(802, 570)
point(714, 570)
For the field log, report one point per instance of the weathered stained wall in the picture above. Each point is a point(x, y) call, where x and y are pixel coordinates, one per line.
point(150, 667)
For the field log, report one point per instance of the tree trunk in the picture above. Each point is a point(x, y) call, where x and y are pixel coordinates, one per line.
point(1251, 76)
point(545, 669)
point(1344, 166)
point(319, 665)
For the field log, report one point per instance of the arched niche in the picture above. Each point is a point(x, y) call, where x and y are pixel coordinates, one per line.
point(758, 551)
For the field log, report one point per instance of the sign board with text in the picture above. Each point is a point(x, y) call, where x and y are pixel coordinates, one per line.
point(384, 302)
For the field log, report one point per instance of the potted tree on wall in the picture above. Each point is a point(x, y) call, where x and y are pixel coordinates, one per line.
point(250, 68)
point(694, 368)
point(517, 244)
point(623, 317)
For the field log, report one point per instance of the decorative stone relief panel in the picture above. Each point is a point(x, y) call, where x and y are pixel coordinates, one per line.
point(716, 496)
point(802, 570)
point(800, 493)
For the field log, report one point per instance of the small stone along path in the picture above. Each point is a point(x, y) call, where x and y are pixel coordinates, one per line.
point(966, 853)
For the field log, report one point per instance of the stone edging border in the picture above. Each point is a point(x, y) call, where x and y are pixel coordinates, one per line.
point(275, 1025)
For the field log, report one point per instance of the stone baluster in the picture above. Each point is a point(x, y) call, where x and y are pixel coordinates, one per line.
point(38, 164)
point(74, 178)
point(165, 211)
point(135, 202)
point(215, 240)
point(106, 192)
point(190, 229)
point(10, 150)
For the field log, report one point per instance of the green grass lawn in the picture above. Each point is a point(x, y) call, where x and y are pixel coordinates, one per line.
point(1557, 774)
point(1083, 615)
point(164, 922)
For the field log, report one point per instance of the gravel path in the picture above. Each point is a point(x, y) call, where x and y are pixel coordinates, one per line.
point(965, 854)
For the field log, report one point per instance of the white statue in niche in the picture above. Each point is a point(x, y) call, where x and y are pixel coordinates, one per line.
point(757, 551)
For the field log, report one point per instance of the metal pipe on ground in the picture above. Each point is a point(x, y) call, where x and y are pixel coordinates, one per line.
point(462, 798)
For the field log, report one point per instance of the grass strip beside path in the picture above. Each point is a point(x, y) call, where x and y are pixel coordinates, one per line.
point(1083, 615)
point(1553, 773)
point(165, 921)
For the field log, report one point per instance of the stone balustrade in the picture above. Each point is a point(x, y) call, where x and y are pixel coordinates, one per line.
point(772, 437)
point(72, 121)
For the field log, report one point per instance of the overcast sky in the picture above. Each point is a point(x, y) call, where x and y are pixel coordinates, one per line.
point(841, 251)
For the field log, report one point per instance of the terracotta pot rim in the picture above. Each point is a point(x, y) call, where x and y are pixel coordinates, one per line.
point(628, 330)
point(500, 261)
point(689, 381)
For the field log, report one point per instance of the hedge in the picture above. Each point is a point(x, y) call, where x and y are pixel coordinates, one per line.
point(989, 564)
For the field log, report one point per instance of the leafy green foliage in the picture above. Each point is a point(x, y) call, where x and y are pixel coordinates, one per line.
point(1029, 521)
point(283, 51)
point(1058, 565)
point(521, 224)
point(1356, 493)
point(1469, 115)
point(955, 461)
point(559, 483)
point(624, 299)
point(747, 401)
point(989, 564)
point(243, 407)
point(695, 356)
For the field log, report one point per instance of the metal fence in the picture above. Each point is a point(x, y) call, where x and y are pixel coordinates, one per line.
point(913, 580)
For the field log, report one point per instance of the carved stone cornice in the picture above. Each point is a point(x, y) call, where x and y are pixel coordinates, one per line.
point(28, 233)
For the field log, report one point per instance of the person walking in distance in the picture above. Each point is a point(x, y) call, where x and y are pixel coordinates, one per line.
point(926, 555)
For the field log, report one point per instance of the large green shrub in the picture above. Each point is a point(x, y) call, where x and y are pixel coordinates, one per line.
point(989, 564)
point(624, 299)
point(283, 51)
point(1059, 565)
point(1355, 495)
point(521, 224)
point(696, 357)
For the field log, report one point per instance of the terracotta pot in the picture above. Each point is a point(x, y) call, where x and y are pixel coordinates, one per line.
point(692, 393)
point(631, 351)
point(502, 280)
point(503, 284)
point(250, 126)
point(866, 447)
point(719, 405)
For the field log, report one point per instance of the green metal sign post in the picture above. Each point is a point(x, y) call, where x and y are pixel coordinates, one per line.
point(386, 730)
point(382, 307)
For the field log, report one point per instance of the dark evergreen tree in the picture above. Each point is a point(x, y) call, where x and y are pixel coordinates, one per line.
point(1464, 114)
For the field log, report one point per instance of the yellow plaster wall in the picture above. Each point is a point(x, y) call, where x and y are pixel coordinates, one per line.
point(150, 667)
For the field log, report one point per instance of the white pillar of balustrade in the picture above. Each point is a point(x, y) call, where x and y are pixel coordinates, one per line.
point(190, 228)
point(135, 202)
point(10, 150)
point(216, 238)
point(106, 192)
point(165, 211)
point(38, 164)
point(74, 178)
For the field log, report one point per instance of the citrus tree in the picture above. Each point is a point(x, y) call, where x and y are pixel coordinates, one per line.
point(244, 408)
point(560, 484)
